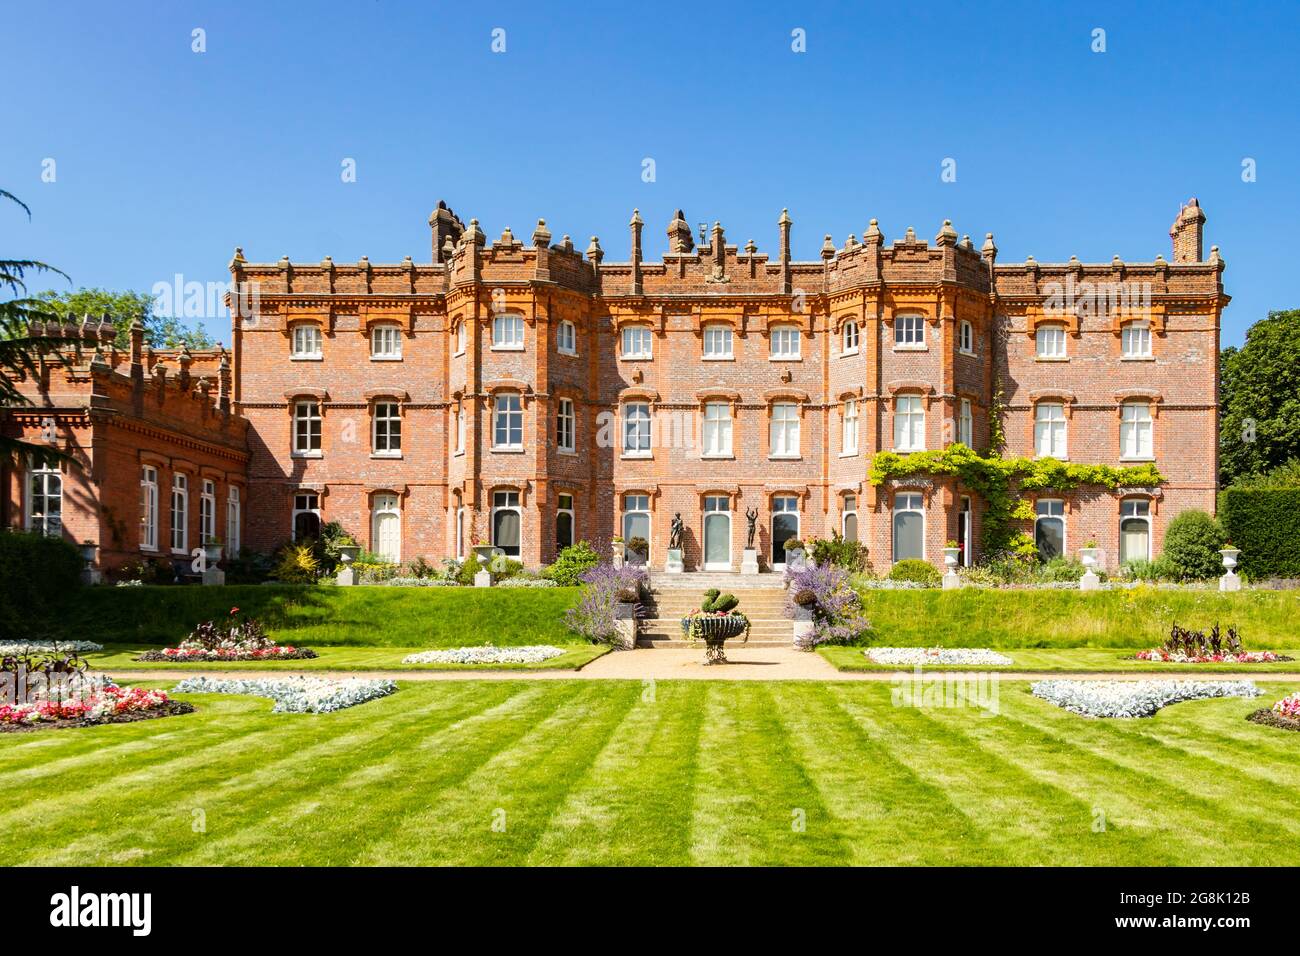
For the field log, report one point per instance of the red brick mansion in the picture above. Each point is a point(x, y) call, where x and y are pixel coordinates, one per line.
point(528, 394)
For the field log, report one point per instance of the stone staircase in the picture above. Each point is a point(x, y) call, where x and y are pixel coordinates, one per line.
point(762, 599)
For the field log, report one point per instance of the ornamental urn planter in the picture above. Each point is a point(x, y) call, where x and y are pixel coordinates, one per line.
point(212, 553)
point(89, 573)
point(347, 554)
point(1230, 581)
point(715, 630)
point(796, 559)
point(951, 556)
point(1089, 581)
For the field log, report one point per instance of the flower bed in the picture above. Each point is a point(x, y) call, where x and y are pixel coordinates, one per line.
point(1099, 698)
point(487, 654)
point(295, 695)
point(103, 703)
point(1160, 655)
point(229, 640)
point(526, 583)
point(930, 656)
point(23, 648)
point(1285, 714)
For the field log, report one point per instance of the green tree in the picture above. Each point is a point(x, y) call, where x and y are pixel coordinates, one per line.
point(1260, 399)
point(1192, 543)
point(123, 308)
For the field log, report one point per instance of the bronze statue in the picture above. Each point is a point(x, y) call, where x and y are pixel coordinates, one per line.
point(751, 515)
point(675, 530)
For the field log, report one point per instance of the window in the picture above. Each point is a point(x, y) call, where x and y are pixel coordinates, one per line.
point(1135, 339)
point(386, 527)
point(783, 434)
point(149, 508)
point(1049, 528)
point(966, 337)
point(305, 342)
point(566, 338)
point(717, 430)
point(460, 430)
point(508, 332)
point(1049, 430)
point(506, 522)
point(909, 423)
point(849, 518)
point(785, 525)
point(306, 516)
point(1050, 341)
point(849, 429)
point(180, 513)
point(208, 512)
point(460, 338)
point(850, 337)
point(636, 528)
point(785, 343)
point(636, 429)
point(909, 332)
point(565, 425)
point(45, 501)
point(306, 428)
point(386, 428)
point(460, 533)
point(1134, 530)
point(508, 424)
point(965, 424)
point(563, 522)
point(386, 342)
point(1135, 431)
point(717, 533)
point(233, 524)
point(637, 342)
point(909, 527)
point(718, 342)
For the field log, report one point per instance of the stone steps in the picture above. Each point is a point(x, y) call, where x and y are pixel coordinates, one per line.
point(722, 580)
point(680, 645)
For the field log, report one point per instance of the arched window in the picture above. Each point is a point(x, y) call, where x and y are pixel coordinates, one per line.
point(148, 508)
point(1049, 430)
point(45, 501)
point(966, 337)
point(966, 424)
point(1050, 341)
point(785, 525)
point(460, 338)
point(563, 522)
point(233, 521)
point(306, 516)
point(208, 511)
point(636, 528)
point(849, 428)
point(909, 526)
point(385, 342)
point(386, 527)
point(508, 332)
point(1134, 530)
point(1049, 528)
point(507, 521)
point(849, 518)
point(180, 513)
point(849, 335)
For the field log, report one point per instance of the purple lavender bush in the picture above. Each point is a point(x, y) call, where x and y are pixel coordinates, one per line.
point(836, 607)
point(602, 587)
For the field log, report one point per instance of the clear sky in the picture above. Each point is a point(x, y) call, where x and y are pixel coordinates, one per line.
point(165, 159)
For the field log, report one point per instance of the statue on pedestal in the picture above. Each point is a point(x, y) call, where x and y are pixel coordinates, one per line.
point(675, 530)
point(751, 515)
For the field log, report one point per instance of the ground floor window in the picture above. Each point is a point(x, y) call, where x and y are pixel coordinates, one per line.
point(964, 532)
point(1049, 528)
point(208, 512)
point(149, 508)
point(909, 527)
point(180, 513)
point(1134, 530)
point(636, 528)
point(460, 533)
point(849, 519)
point(306, 516)
point(233, 507)
point(785, 525)
point(717, 533)
point(386, 527)
point(563, 522)
point(506, 522)
point(45, 501)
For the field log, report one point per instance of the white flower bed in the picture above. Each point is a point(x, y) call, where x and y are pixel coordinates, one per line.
point(912, 656)
point(526, 583)
point(421, 583)
point(1135, 698)
point(487, 654)
point(44, 647)
point(295, 695)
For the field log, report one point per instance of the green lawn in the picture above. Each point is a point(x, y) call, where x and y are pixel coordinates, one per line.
point(975, 617)
point(1036, 659)
point(697, 772)
point(122, 657)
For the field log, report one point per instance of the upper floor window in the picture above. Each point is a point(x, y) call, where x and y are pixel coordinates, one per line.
point(1135, 431)
point(460, 338)
point(45, 501)
point(386, 430)
point(849, 335)
point(636, 429)
point(785, 342)
point(386, 342)
point(1135, 339)
point(1050, 341)
point(1049, 430)
point(306, 428)
point(966, 424)
point(460, 430)
point(149, 508)
point(849, 429)
point(508, 332)
point(966, 337)
point(508, 424)
point(566, 425)
point(909, 423)
point(909, 332)
point(566, 338)
point(718, 342)
point(783, 436)
point(637, 342)
point(717, 430)
point(306, 341)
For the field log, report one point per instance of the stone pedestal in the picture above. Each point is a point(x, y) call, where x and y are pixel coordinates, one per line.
point(346, 577)
point(1230, 582)
point(749, 562)
point(92, 576)
point(951, 580)
point(214, 576)
point(674, 563)
point(803, 628)
point(1089, 581)
point(483, 578)
point(625, 624)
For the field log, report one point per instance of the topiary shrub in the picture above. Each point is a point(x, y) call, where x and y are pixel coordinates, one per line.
point(571, 564)
point(916, 571)
point(719, 603)
point(1192, 543)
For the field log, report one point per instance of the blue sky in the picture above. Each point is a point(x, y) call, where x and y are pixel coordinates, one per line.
point(166, 159)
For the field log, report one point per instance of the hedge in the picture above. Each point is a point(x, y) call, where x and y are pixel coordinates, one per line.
point(1265, 524)
point(38, 576)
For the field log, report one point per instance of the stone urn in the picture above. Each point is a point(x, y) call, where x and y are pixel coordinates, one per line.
point(1089, 581)
point(715, 630)
point(1088, 557)
point(1230, 581)
point(347, 554)
point(951, 557)
point(212, 553)
point(1230, 556)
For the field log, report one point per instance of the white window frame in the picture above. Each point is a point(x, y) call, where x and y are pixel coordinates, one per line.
point(636, 343)
point(909, 333)
point(460, 428)
point(850, 338)
point(849, 507)
point(636, 503)
point(966, 423)
point(1050, 342)
point(716, 430)
point(307, 410)
point(785, 343)
point(566, 338)
point(783, 434)
point(381, 504)
point(1137, 432)
point(1051, 431)
point(909, 423)
point(560, 509)
point(385, 342)
point(1051, 515)
point(47, 475)
point(180, 506)
point(312, 498)
point(1124, 516)
point(966, 337)
point(566, 426)
point(785, 505)
point(715, 505)
point(849, 428)
point(301, 331)
point(507, 407)
point(719, 342)
point(510, 498)
point(386, 430)
point(906, 502)
point(1135, 340)
point(207, 511)
point(508, 332)
point(234, 509)
point(148, 508)
point(461, 338)
point(636, 433)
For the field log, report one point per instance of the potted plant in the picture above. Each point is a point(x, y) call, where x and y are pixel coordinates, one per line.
point(714, 623)
point(1088, 553)
point(1230, 555)
point(348, 550)
point(951, 554)
point(638, 550)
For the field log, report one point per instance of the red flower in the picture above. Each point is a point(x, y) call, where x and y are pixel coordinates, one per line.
point(234, 610)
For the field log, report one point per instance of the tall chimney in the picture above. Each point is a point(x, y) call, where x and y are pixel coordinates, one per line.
point(636, 225)
point(1186, 232)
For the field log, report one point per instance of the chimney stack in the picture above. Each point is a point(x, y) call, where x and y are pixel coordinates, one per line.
point(446, 225)
point(1186, 232)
